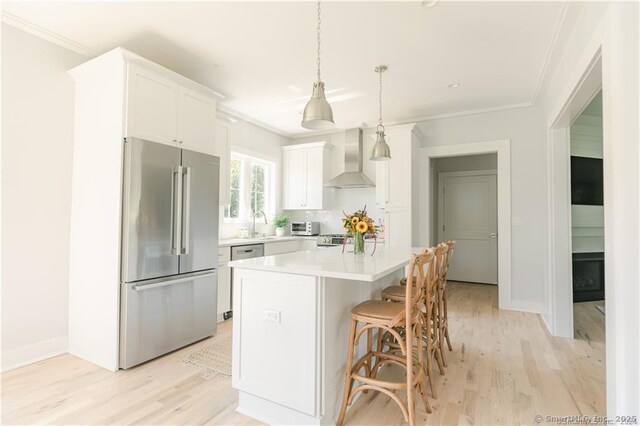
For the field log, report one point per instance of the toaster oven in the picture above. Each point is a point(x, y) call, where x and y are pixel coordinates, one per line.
point(305, 228)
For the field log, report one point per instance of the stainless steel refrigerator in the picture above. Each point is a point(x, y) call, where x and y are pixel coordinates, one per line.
point(169, 249)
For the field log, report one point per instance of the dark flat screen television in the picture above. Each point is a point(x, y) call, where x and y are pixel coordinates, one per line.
point(586, 181)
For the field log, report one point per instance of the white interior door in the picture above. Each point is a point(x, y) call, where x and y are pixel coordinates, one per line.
point(468, 215)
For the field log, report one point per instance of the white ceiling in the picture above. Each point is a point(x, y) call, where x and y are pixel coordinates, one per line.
point(261, 55)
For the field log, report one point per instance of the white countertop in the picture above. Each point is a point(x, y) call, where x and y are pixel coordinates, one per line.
point(261, 240)
point(332, 263)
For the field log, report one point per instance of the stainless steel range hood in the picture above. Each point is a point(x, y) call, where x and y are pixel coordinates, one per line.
point(353, 177)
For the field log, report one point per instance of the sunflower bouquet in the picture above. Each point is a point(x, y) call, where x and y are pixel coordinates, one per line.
point(357, 225)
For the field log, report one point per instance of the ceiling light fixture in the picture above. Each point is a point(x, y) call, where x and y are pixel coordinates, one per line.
point(318, 114)
point(454, 85)
point(381, 151)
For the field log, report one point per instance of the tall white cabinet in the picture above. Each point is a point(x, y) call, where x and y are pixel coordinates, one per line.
point(118, 95)
point(397, 186)
point(305, 168)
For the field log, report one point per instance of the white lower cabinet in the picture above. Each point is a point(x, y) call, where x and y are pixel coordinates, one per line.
point(308, 245)
point(282, 247)
point(224, 282)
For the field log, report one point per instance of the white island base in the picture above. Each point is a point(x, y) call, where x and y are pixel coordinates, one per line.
point(291, 316)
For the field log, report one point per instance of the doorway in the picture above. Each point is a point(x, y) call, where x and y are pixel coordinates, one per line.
point(428, 178)
point(587, 224)
point(467, 213)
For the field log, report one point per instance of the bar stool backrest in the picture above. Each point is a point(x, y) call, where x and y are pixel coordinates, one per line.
point(419, 271)
point(441, 260)
point(452, 246)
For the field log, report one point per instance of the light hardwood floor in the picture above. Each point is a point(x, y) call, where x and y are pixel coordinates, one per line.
point(589, 323)
point(505, 369)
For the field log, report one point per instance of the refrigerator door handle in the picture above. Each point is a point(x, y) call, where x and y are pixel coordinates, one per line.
point(186, 214)
point(162, 282)
point(177, 211)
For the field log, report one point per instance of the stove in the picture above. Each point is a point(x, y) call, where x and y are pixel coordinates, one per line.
point(328, 240)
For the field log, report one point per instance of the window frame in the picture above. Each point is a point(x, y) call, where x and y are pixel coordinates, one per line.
point(247, 160)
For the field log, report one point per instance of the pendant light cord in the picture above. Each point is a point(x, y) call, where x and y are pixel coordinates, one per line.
point(319, 21)
point(380, 125)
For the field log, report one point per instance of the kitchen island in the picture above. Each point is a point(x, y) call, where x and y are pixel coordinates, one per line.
point(291, 324)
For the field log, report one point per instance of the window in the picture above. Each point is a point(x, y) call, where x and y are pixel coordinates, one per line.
point(252, 189)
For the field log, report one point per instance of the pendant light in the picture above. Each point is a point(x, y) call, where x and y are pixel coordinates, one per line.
point(318, 114)
point(381, 151)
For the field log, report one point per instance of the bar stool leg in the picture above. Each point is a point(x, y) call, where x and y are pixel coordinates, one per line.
point(446, 320)
point(411, 390)
point(441, 334)
point(348, 383)
point(422, 387)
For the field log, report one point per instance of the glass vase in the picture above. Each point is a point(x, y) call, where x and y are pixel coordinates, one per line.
point(358, 243)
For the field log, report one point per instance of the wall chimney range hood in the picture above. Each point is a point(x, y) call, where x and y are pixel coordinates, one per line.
point(353, 177)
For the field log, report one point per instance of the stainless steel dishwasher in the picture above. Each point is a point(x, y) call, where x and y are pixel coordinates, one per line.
point(248, 251)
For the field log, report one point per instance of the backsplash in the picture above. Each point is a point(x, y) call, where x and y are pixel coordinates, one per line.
point(347, 200)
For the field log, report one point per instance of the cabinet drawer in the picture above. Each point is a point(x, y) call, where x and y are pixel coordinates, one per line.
point(159, 318)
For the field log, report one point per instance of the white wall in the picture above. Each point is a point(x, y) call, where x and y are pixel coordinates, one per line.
point(524, 127)
point(37, 153)
point(612, 30)
point(251, 139)
point(338, 200)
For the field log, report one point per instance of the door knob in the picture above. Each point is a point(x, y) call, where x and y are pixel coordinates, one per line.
point(493, 235)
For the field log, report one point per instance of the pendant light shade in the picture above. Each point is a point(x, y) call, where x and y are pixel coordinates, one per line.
point(317, 113)
point(381, 151)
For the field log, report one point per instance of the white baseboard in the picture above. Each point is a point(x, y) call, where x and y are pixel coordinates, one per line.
point(35, 352)
point(525, 306)
point(547, 322)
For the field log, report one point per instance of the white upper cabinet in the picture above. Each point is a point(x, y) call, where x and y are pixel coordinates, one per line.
point(152, 106)
point(382, 184)
point(303, 176)
point(393, 177)
point(196, 120)
point(161, 109)
point(222, 149)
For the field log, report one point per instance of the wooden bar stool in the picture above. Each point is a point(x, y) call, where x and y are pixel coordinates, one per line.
point(441, 251)
point(388, 317)
point(444, 320)
point(430, 334)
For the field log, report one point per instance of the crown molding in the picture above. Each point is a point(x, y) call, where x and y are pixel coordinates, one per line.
point(552, 48)
point(417, 120)
point(38, 31)
point(229, 112)
point(459, 114)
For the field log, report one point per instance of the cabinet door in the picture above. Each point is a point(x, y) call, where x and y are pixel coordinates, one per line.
point(294, 179)
point(382, 184)
point(398, 227)
point(281, 247)
point(222, 149)
point(399, 170)
point(315, 184)
point(224, 289)
point(196, 120)
point(151, 106)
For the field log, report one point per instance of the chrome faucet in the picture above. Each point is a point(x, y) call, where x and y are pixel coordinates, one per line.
point(254, 215)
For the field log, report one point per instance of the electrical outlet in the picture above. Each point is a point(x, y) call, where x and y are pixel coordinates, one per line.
point(272, 316)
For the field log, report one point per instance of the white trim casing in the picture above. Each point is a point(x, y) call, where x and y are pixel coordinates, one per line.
point(503, 150)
